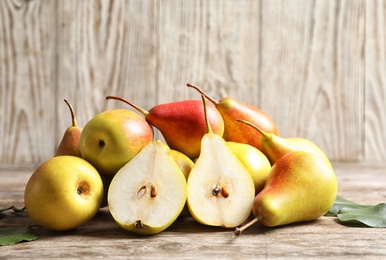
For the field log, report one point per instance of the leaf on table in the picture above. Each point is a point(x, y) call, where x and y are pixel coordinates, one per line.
point(14, 235)
point(353, 214)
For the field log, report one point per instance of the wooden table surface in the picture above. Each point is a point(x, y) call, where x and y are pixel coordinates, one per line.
point(187, 239)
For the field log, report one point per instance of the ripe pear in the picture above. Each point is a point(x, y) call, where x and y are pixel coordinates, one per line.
point(148, 194)
point(69, 145)
point(254, 160)
point(186, 165)
point(112, 138)
point(274, 147)
point(63, 193)
point(220, 189)
point(232, 109)
point(300, 187)
point(181, 123)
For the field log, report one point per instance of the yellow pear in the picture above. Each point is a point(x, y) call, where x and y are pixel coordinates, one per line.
point(63, 193)
point(254, 160)
point(300, 187)
point(274, 146)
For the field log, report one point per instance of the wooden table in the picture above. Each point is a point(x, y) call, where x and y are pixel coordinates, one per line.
point(186, 239)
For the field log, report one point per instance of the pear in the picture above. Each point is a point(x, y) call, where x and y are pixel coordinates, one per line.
point(63, 193)
point(274, 147)
point(112, 138)
point(220, 189)
point(232, 109)
point(300, 187)
point(147, 194)
point(254, 160)
point(181, 123)
point(69, 145)
point(186, 165)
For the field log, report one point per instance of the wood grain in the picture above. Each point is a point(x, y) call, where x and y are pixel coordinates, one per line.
point(375, 82)
point(187, 239)
point(317, 67)
point(27, 77)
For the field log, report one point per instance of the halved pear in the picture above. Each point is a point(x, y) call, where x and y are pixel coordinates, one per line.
point(220, 189)
point(148, 193)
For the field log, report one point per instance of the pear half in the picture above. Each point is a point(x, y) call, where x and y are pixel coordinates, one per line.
point(149, 192)
point(220, 189)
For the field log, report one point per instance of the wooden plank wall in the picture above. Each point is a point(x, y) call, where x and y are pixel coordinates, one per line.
point(317, 67)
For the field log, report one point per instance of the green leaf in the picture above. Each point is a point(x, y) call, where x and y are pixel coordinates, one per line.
point(14, 235)
point(353, 214)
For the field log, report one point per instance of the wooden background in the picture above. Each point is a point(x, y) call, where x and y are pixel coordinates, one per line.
point(317, 67)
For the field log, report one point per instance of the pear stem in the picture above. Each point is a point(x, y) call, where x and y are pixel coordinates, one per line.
point(202, 93)
point(206, 115)
point(141, 110)
point(264, 134)
point(239, 230)
point(73, 117)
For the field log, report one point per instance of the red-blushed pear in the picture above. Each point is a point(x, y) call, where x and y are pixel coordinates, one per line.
point(70, 145)
point(63, 193)
point(300, 187)
point(220, 189)
point(112, 138)
point(232, 109)
point(181, 123)
point(149, 192)
point(274, 147)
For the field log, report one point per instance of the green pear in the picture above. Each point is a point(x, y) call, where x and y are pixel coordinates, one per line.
point(181, 123)
point(232, 109)
point(254, 160)
point(148, 194)
point(70, 145)
point(63, 193)
point(112, 138)
point(274, 147)
point(300, 187)
point(220, 189)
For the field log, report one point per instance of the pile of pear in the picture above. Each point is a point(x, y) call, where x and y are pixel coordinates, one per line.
point(222, 163)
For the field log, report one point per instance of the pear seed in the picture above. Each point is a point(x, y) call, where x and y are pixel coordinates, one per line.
point(216, 190)
point(224, 192)
point(141, 191)
point(153, 191)
point(138, 224)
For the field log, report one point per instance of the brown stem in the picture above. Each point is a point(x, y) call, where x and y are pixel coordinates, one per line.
point(206, 115)
point(141, 110)
point(74, 122)
point(239, 230)
point(202, 93)
point(264, 134)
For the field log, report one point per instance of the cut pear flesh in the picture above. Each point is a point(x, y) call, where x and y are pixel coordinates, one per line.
point(220, 189)
point(149, 192)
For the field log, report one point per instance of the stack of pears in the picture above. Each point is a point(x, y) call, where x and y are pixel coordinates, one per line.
point(221, 162)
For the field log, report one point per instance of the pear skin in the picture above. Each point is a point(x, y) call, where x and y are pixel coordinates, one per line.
point(112, 138)
point(274, 146)
point(181, 123)
point(300, 187)
point(232, 109)
point(70, 144)
point(254, 160)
